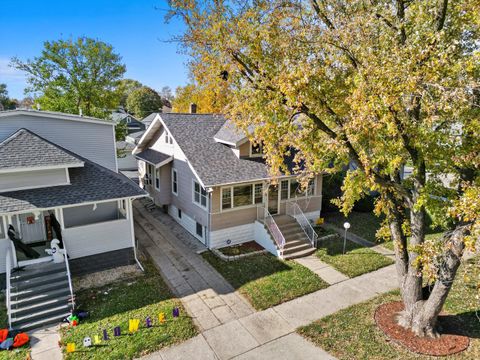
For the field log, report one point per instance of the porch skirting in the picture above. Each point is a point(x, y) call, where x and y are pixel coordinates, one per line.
point(99, 262)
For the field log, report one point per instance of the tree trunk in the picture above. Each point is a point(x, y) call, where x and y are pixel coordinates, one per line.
point(420, 314)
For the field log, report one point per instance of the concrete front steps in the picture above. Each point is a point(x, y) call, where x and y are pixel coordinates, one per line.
point(297, 244)
point(39, 296)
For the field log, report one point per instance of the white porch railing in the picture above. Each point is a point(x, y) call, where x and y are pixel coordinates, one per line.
point(69, 275)
point(294, 210)
point(8, 264)
point(267, 219)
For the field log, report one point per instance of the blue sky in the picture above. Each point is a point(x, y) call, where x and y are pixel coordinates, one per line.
point(135, 28)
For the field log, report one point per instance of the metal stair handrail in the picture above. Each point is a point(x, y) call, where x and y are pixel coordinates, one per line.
point(264, 216)
point(67, 266)
point(8, 264)
point(296, 212)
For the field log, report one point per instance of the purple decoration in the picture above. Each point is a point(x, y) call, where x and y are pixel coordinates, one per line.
point(105, 335)
point(176, 312)
point(116, 331)
point(149, 322)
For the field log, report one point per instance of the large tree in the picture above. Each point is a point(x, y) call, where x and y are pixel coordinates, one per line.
point(379, 83)
point(125, 87)
point(74, 75)
point(6, 102)
point(143, 101)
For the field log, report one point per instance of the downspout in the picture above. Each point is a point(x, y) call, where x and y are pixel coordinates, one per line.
point(209, 215)
point(130, 213)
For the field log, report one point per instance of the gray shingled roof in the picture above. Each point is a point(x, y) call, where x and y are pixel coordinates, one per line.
point(88, 184)
point(229, 133)
point(215, 163)
point(24, 149)
point(148, 120)
point(152, 156)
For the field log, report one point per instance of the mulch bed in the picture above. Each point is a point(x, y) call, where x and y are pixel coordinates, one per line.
point(450, 341)
point(244, 248)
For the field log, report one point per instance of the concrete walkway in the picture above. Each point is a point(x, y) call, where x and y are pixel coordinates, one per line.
point(208, 298)
point(270, 334)
point(44, 344)
point(229, 326)
point(323, 270)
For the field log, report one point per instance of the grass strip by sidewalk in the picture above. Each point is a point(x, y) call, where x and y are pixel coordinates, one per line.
point(356, 261)
point(352, 333)
point(265, 280)
point(114, 305)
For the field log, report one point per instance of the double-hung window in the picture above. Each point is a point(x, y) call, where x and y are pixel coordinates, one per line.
point(199, 194)
point(284, 189)
point(157, 179)
point(149, 175)
point(174, 182)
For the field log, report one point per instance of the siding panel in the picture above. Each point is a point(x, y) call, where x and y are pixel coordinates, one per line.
point(93, 141)
point(30, 179)
point(98, 238)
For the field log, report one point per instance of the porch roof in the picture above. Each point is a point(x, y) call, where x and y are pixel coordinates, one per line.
point(154, 157)
point(88, 184)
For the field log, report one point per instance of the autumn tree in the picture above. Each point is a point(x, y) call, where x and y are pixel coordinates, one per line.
point(143, 101)
point(377, 83)
point(74, 75)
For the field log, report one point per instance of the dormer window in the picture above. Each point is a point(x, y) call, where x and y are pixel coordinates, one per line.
point(256, 150)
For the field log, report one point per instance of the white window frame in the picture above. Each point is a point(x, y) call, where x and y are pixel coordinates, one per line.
point(148, 175)
point(306, 194)
point(174, 171)
point(232, 207)
point(256, 155)
point(193, 195)
point(157, 178)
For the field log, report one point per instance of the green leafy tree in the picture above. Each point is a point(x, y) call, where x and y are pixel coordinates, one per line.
point(6, 102)
point(144, 101)
point(379, 83)
point(125, 87)
point(70, 75)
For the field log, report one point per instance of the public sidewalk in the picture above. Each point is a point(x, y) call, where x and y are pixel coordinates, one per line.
point(268, 334)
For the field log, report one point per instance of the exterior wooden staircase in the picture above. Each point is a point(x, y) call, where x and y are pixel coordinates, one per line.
point(39, 295)
point(297, 243)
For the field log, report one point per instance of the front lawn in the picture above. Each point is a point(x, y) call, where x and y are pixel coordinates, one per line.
point(265, 280)
point(356, 261)
point(363, 224)
point(352, 333)
point(16, 354)
point(114, 305)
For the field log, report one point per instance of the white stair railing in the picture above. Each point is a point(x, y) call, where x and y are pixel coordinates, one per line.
point(264, 216)
point(296, 212)
point(67, 266)
point(8, 264)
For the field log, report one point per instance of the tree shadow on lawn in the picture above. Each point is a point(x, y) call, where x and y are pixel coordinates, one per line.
point(334, 247)
point(464, 324)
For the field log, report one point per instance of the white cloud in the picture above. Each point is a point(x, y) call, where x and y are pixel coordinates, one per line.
point(8, 73)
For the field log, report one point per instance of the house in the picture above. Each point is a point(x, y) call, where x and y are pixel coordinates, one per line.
point(122, 117)
point(59, 180)
point(213, 181)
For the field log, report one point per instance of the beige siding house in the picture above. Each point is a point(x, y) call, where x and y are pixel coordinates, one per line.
point(214, 182)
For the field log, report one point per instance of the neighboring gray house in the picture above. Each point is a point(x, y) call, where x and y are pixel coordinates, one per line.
point(59, 180)
point(133, 124)
point(214, 182)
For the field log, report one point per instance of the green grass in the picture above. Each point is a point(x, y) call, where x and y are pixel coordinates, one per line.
point(321, 231)
point(364, 225)
point(114, 304)
point(356, 261)
point(265, 280)
point(352, 333)
point(16, 354)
